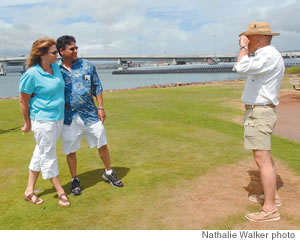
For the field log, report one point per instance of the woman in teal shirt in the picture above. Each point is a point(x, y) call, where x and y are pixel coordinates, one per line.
point(42, 105)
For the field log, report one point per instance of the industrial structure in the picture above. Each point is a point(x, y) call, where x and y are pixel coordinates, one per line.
point(125, 61)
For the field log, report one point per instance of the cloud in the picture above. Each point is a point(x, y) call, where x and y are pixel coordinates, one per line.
point(20, 3)
point(116, 27)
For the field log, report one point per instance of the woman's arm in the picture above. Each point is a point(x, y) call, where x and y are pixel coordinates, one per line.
point(24, 100)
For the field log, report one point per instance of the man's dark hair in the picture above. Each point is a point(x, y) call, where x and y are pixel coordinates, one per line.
point(62, 41)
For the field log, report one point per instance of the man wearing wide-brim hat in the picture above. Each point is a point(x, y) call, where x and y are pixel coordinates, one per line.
point(265, 69)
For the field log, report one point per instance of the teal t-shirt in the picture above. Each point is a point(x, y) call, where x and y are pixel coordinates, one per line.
point(48, 101)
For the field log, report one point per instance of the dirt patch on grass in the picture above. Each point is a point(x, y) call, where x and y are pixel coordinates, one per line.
point(220, 199)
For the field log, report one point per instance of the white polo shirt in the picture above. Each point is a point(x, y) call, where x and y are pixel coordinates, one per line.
point(265, 71)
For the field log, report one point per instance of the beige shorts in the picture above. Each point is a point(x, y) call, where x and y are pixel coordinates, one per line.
point(259, 123)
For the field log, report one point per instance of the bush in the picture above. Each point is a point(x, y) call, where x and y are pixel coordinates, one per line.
point(293, 70)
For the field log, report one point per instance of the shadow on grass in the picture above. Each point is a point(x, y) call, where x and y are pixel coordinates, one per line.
point(2, 131)
point(89, 179)
point(255, 186)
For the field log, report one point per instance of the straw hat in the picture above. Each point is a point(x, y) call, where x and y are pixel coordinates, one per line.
point(259, 28)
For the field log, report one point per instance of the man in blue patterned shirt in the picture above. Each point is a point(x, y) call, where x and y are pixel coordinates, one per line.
point(82, 117)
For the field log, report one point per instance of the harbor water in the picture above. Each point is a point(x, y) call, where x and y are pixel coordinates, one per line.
point(9, 83)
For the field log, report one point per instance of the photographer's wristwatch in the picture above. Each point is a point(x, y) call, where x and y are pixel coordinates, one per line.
point(243, 47)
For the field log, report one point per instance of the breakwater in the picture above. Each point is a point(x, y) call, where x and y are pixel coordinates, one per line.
point(169, 85)
point(178, 84)
point(9, 83)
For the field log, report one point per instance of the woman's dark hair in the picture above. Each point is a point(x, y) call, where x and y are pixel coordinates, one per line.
point(62, 41)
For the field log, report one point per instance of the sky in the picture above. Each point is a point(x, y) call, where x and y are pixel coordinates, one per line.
point(145, 27)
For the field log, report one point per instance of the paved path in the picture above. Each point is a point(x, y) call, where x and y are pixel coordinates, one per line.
point(288, 111)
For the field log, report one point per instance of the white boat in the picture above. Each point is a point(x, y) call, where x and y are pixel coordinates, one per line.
point(2, 72)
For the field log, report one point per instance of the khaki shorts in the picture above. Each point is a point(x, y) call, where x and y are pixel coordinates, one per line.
point(259, 123)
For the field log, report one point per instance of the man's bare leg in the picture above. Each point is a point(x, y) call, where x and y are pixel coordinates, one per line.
point(268, 177)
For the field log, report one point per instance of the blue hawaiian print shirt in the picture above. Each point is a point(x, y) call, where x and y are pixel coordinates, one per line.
point(80, 86)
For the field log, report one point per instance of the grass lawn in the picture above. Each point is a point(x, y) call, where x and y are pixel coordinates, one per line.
point(157, 138)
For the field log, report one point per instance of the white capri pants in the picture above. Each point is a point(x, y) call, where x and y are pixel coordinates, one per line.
point(71, 135)
point(44, 159)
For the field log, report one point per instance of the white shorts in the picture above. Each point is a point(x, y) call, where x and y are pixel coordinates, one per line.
point(44, 159)
point(71, 135)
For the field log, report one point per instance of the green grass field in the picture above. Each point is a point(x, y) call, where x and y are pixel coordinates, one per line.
point(158, 138)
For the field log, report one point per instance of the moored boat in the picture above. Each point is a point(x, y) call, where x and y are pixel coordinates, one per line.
point(220, 67)
point(2, 72)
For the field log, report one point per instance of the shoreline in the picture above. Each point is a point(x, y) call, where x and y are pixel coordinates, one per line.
point(168, 85)
point(178, 84)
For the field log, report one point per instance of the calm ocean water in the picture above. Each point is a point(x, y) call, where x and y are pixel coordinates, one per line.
point(9, 83)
